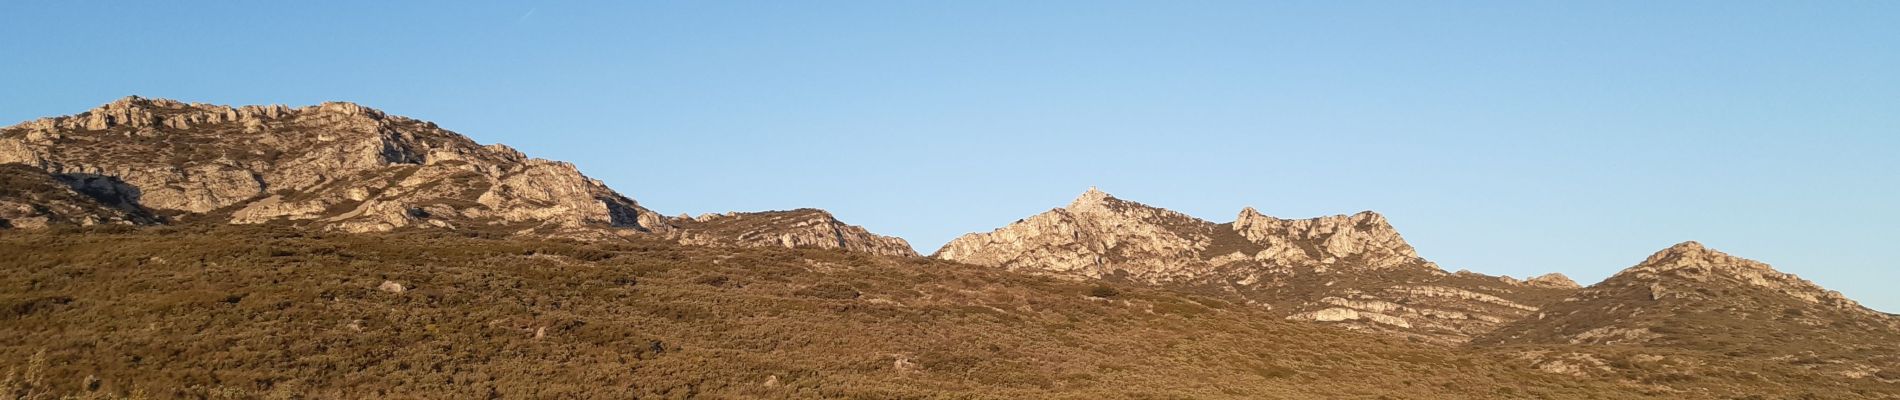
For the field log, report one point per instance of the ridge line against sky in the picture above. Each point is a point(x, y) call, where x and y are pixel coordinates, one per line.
point(1499, 137)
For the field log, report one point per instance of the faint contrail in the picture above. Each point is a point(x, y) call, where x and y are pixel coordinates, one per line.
point(525, 16)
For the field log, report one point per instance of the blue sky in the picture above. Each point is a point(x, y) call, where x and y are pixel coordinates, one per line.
point(1501, 137)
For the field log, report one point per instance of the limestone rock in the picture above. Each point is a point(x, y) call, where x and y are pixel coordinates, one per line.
point(805, 227)
point(392, 287)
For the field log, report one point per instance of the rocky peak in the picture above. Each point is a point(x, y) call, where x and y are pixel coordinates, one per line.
point(336, 165)
point(1096, 236)
point(1365, 236)
point(1694, 255)
point(1694, 297)
point(1091, 200)
point(805, 227)
point(1678, 271)
point(1554, 280)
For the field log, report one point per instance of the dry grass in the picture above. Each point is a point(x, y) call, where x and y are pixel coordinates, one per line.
point(246, 312)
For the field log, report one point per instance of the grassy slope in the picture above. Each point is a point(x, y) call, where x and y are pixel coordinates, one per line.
point(259, 311)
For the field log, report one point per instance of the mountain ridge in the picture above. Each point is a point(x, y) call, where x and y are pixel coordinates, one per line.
point(341, 166)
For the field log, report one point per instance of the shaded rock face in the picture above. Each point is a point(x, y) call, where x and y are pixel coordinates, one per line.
point(805, 227)
point(1691, 297)
point(32, 199)
point(1351, 270)
point(339, 166)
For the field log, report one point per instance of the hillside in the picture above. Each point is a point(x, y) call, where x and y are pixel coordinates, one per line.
point(230, 312)
point(1354, 271)
point(1690, 297)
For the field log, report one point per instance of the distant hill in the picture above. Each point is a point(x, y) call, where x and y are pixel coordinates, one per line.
point(1690, 297)
point(1350, 270)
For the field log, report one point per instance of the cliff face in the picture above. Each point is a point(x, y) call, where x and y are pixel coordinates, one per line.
point(345, 167)
point(1351, 270)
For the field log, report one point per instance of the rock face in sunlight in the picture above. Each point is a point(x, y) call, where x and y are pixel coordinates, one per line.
point(340, 166)
point(1352, 270)
point(805, 227)
point(348, 168)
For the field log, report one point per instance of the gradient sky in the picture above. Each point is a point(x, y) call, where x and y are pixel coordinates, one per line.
point(1502, 137)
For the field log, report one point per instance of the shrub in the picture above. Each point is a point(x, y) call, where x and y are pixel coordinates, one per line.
point(834, 291)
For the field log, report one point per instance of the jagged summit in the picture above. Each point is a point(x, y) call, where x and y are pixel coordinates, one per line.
point(1091, 196)
point(1097, 201)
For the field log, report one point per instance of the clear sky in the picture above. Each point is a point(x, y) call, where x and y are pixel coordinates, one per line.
point(1507, 137)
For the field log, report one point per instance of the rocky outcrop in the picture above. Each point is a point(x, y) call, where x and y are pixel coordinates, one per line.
point(1364, 238)
point(801, 228)
point(1692, 292)
point(1352, 270)
point(32, 199)
point(1096, 236)
point(1554, 280)
point(338, 166)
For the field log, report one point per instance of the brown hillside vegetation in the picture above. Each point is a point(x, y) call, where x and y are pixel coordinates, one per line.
point(263, 311)
point(1754, 320)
